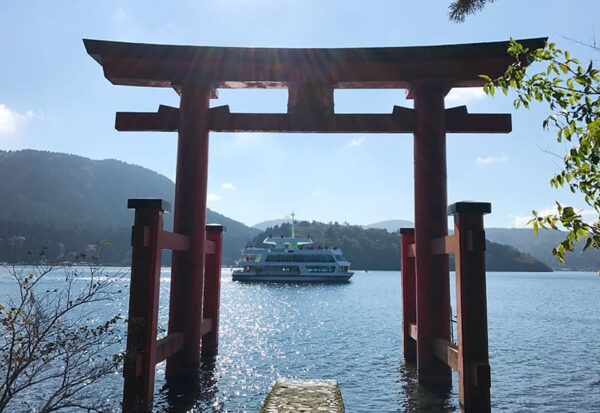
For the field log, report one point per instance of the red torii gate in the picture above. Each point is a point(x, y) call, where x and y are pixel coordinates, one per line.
point(311, 75)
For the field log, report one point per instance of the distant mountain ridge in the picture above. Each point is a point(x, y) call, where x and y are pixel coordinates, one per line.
point(540, 246)
point(525, 240)
point(379, 249)
point(270, 223)
point(64, 202)
point(66, 189)
point(392, 225)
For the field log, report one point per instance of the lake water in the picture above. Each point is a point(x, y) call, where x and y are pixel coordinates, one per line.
point(544, 339)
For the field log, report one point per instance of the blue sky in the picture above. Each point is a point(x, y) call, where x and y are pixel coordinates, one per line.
point(54, 97)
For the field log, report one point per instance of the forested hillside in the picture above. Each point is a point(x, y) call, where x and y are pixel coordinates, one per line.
point(540, 246)
point(378, 249)
point(64, 203)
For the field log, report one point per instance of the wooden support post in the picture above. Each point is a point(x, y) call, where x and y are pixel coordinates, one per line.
point(409, 304)
point(142, 321)
point(212, 291)
point(473, 360)
point(433, 284)
point(187, 275)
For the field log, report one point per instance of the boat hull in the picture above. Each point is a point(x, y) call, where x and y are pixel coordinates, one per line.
point(296, 278)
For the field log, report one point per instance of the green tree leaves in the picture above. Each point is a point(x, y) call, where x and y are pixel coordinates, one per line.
point(572, 93)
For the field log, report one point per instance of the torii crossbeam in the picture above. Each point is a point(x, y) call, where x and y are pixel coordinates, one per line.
point(401, 120)
point(311, 75)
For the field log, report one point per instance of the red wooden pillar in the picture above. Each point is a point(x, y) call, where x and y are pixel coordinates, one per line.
point(140, 356)
point(473, 360)
point(187, 275)
point(433, 285)
point(409, 305)
point(212, 291)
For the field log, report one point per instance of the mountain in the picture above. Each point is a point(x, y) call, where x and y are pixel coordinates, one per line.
point(270, 223)
point(373, 249)
point(500, 257)
point(61, 189)
point(60, 203)
point(378, 249)
point(525, 239)
point(64, 202)
point(392, 225)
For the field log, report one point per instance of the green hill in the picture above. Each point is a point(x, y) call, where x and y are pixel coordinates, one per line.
point(62, 203)
point(378, 249)
point(65, 202)
point(525, 240)
point(540, 246)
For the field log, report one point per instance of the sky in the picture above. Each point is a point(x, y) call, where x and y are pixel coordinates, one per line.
point(53, 97)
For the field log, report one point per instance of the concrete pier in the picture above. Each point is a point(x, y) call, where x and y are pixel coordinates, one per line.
point(304, 396)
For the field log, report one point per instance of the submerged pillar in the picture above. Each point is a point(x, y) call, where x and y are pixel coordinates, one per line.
point(474, 377)
point(212, 292)
point(142, 320)
point(432, 278)
point(409, 306)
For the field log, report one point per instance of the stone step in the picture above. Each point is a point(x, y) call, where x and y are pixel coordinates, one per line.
point(318, 396)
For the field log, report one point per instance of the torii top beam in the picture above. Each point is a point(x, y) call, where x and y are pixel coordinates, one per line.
point(155, 65)
point(310, 75)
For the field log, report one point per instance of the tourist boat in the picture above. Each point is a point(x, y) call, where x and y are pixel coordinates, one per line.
point(292, 259)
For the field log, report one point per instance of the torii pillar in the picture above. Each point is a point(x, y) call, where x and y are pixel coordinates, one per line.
point(432, 281)
point(187, 274)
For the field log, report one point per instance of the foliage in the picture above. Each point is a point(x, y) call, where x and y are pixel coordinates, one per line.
point(66, 202)
point(540, 246)
point(53, 355)
point(367, 249)
point(499, 257)
point(572, 93)
point(459, 9)
point(378, 249)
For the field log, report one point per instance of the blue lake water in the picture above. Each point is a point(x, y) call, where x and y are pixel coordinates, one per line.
point(544, 339)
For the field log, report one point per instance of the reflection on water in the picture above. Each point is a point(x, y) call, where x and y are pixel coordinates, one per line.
point(352, 333)
point(349, 332)
point(178, 395)
point(416, 398)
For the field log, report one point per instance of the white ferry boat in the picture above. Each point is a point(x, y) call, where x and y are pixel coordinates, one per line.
point(292, 259)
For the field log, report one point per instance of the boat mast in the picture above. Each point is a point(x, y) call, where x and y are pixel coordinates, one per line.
point(293, 227)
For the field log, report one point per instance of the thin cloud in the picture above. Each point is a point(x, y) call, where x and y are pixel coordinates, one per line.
point(120, 15)
point(356, 142)
point(590, 213)
point(11, 120)
point(490, 160)
point(520, 221)
point(125, 26)
point(465, 95)
point(213, 197)
point(228, 186)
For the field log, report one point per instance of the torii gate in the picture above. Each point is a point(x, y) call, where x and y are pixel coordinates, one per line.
point(311, 75)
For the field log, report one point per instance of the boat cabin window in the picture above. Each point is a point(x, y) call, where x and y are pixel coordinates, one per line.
point(299, 258)
point(320, 268)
